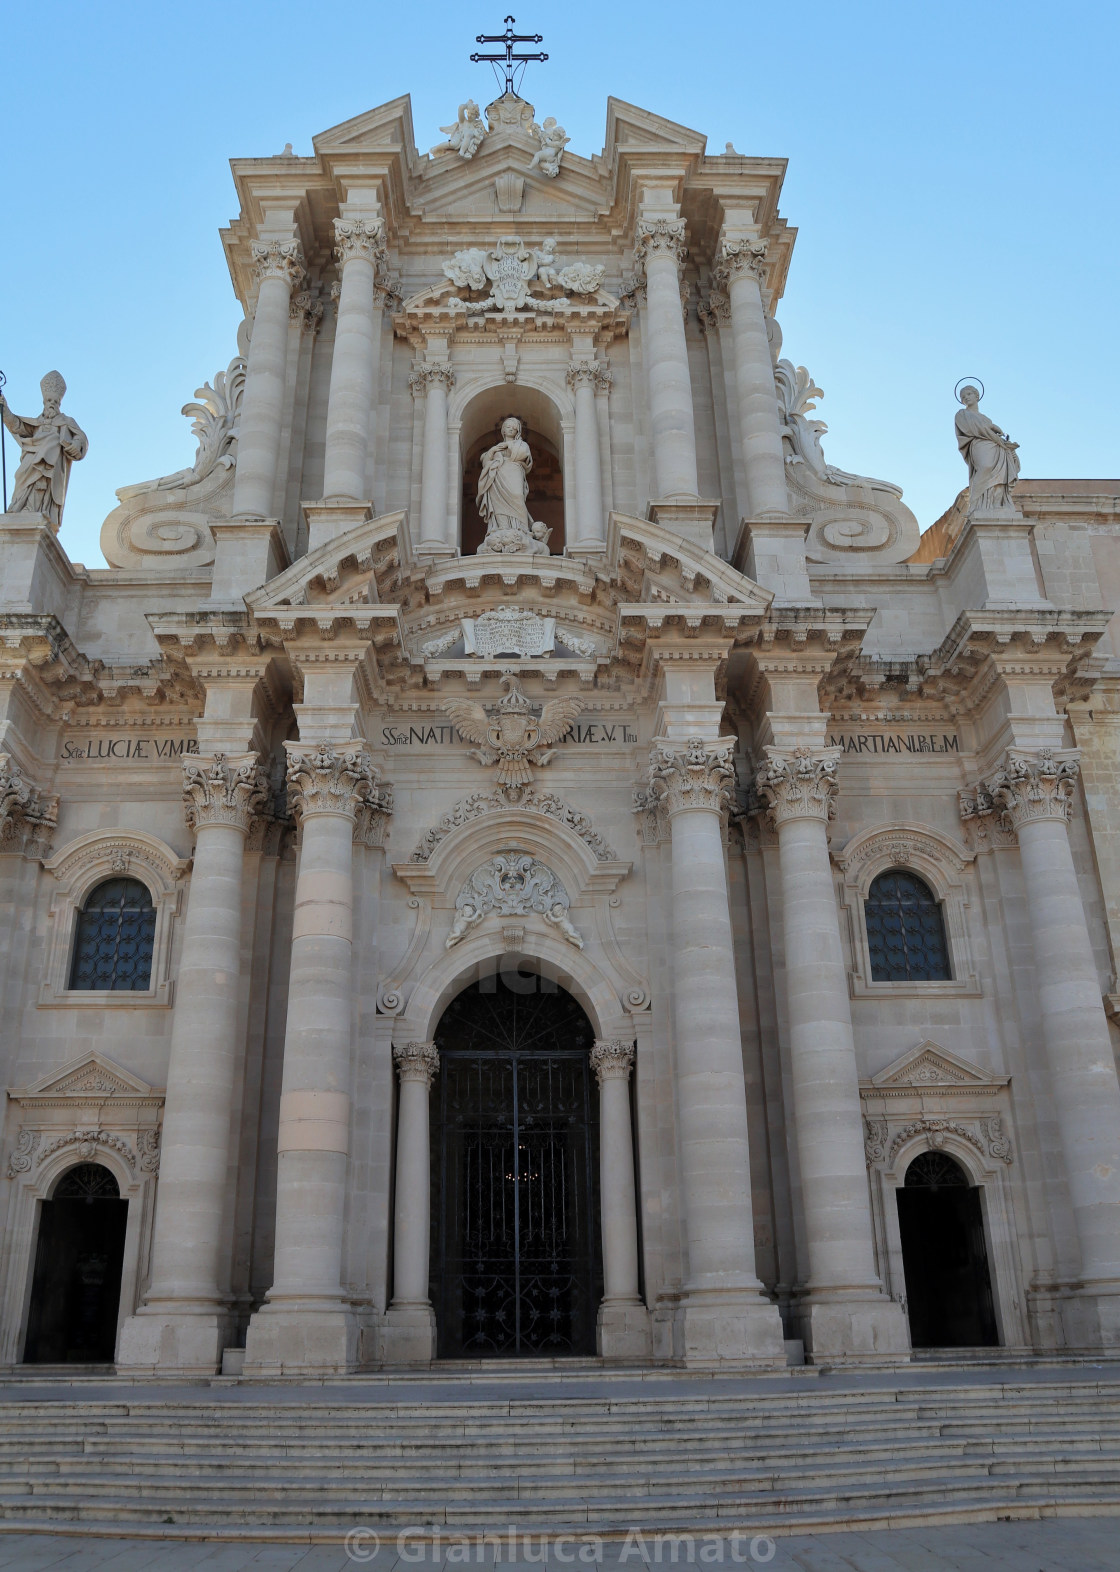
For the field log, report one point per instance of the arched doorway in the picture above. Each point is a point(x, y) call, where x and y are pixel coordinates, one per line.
point(76, 1288)
point(515, 1261)
point(945, 1256)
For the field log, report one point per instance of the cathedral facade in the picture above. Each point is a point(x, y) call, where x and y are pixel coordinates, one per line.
point(518, 855)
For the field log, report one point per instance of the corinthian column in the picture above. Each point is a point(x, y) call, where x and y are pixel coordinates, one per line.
point(848, 1314)
point(622, 1329)
point(279, 267)
point(585, 378)
point(359, 247)
point(723, 1314)
point(410, 1327)
point(431, 382)
point(741, 268)
point(1035, 792)
point(304, 1323)
point(183, 1321)
point(661, 251)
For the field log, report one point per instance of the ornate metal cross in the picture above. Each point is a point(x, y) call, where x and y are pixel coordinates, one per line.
point(506, 64)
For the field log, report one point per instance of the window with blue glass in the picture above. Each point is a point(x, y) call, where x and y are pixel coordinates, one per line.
point(905, 930)
point(115, 938)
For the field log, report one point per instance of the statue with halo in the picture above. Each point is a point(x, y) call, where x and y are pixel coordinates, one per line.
point(991, 456)
point(50, 444)
point(503, 490)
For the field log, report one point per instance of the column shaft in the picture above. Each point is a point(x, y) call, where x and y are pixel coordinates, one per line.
point(262, 411)
point(611, 1062)
point(357, 347)
point(433, 483)
point(672, 423)
point(763, 457)
point(417, 1063)
point(582, 377)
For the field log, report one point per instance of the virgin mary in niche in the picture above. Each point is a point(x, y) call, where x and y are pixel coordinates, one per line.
point(503, 490)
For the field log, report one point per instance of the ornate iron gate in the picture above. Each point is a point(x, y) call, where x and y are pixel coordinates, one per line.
point(515, 1163)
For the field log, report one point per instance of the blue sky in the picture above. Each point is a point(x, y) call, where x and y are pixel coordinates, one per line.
point(952, 173)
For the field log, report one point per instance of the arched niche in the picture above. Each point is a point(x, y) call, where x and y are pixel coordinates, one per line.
point(542, 428)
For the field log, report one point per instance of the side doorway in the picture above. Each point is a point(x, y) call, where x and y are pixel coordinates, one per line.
point(79, 1258)
point(945, 1256)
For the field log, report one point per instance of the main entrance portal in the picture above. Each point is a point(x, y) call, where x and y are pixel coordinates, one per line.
point(515, 1210)
point(76, 1290)
point(948, 1285)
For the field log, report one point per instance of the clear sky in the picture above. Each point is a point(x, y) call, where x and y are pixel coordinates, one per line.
point(952, 173)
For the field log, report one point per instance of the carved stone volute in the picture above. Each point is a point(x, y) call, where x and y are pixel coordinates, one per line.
point(281, 259)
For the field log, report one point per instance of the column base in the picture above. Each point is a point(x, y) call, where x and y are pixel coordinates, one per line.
point(1091, 1320)
point(408, 1335)
point(622, 1330)
point(309, 1338)
point(693, 518)
point(333, 516)
point(173, 1341)
point(863, 1331)
point(722, 1327)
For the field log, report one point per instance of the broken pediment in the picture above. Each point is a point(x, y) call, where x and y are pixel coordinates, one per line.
point(931, 1066)
point(361, 566)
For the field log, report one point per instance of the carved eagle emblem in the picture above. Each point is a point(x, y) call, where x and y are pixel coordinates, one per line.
point(513, 735)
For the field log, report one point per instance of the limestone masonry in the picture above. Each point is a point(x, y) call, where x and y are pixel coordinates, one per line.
point(518, 854)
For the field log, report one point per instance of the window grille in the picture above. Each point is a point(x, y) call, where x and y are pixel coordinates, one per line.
point(905, 931)
point(115, 938)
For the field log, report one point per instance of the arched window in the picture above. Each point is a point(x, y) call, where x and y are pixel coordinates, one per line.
point(905, 930)
point(115, 938)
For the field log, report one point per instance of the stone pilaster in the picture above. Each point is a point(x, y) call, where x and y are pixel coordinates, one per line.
point(1034, 793)
point(847, 1315)
point(183, 1322)
point(305, 1323)
point(432, 381)
point(359, 249)
point(623, 1328)
point(723, 1316)
point(409, 1332)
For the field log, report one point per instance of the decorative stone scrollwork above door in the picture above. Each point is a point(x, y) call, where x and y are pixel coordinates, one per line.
point(513, 884)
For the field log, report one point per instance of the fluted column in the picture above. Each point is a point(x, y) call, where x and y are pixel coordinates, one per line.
point(661, 251)
point(723, 1314)
point(1034, 791)
point(741, 268)
point(182, 1323)
point(304, 1323)
point(279, 267)
point(359, 247)
point(848, 1313)
point(585, 378)
point(431, 382)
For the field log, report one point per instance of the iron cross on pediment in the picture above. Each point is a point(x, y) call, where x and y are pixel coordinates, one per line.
point(506, 64)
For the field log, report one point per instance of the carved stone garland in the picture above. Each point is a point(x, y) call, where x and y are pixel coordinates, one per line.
point(481, 803)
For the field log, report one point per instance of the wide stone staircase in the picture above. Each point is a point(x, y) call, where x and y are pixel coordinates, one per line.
point(596, 1455)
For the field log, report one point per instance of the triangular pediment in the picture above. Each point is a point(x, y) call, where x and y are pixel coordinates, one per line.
point(388, 126)
point(930, 1065)
point(630, 126)
point(91, 1077)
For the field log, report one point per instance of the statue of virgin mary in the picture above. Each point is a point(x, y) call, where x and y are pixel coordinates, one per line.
point(503, 489)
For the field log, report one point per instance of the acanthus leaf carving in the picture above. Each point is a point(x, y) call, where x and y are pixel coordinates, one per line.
point(281, 259)
point(699, 775)
point(28, 816)
point(416, 1062)
point(222, 790)
point(799, 784)
point(612, 1059)
point(1030, 786)
point(326, 779)
point(359, 237)
point(657, 237)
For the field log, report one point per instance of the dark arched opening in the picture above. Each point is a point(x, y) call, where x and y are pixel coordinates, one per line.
point(515, 1264)
point(115, 938)
point(76, 1288)
point(546, 488)
point(905, 930)
point(945, 1256)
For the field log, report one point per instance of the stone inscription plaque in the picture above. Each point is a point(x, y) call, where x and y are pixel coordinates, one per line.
point(587, 732)
point(897, 742)
point(125, 750)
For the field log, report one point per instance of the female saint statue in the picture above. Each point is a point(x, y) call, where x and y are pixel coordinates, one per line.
point(503, 487)
point(991, 456)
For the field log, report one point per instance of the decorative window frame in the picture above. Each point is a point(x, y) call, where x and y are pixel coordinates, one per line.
point(78, 868)
point(89, 1111)
point(942, 863)
point(930, 1099)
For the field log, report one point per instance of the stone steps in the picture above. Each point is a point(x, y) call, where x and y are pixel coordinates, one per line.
point(730, 1453)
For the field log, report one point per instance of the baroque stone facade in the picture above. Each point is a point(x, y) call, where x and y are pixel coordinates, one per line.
point(510, 637)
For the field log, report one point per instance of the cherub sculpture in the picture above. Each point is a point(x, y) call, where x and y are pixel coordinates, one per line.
point(466, 135)
point(513, 737)
point(553, 140)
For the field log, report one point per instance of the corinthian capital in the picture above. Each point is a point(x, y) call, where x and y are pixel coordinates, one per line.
point(27, 815)
point(660, 237)
point(1034, 785)
point(699, 775)
point(220, 790)
point(423, 376)
point(278, 259)
point(359, 237)
point(740, 258)
point(594, 373)
point(416, 1062)
point(325, 779)
point(612, 1060)
point(800, 784)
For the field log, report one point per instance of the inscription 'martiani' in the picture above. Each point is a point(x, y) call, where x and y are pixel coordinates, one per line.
point(895, 742)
